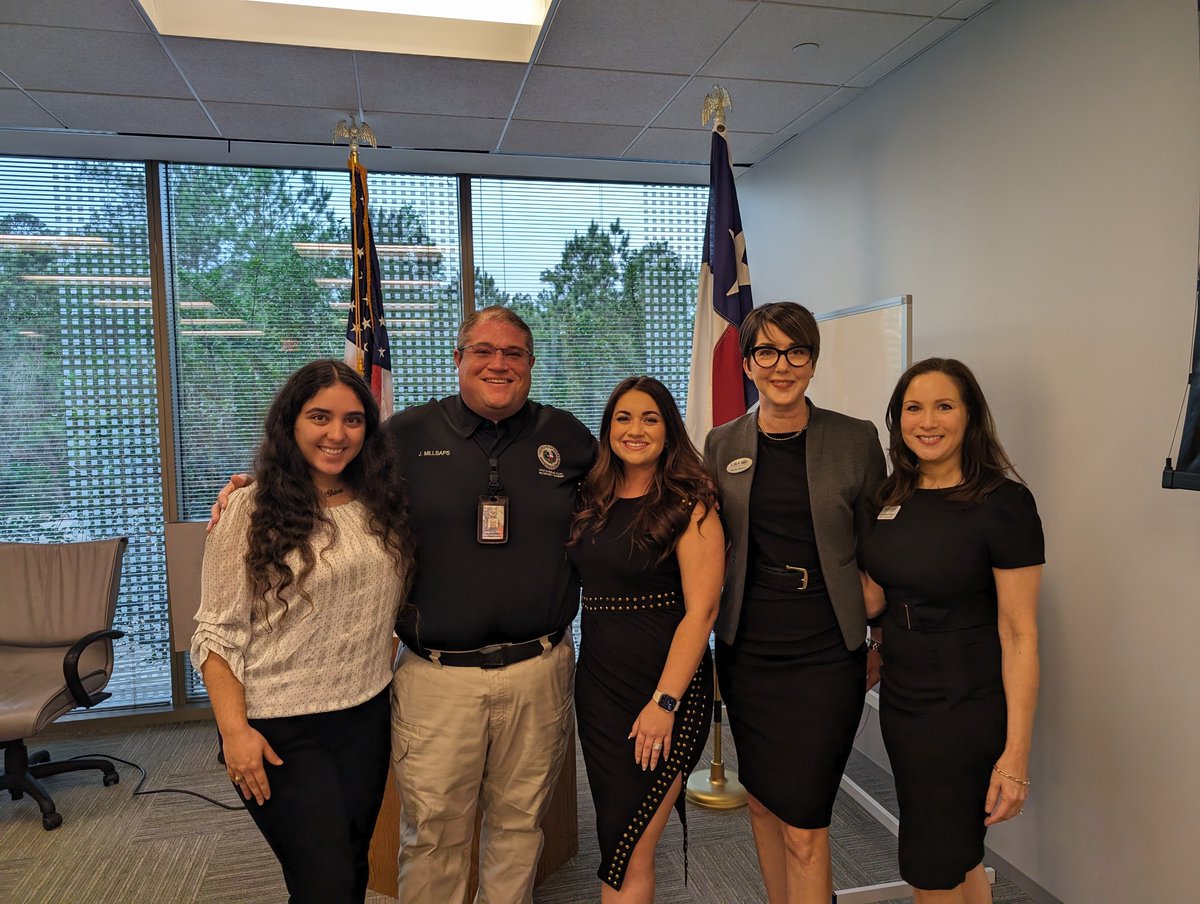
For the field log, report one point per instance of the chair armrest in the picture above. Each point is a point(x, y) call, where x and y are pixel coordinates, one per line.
point(71, 667)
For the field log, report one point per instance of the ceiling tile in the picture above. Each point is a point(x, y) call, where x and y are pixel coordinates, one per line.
point(674, 36)
point(825, 108)
point(403, 83)
point(693, 145)
point(593, 95)
point(270, 74)
point(18, 112)
point(130, 115)
point(426, 132)
point(909, 7)
point(105, 15)
point(850, 41)
point(264, 122)
point(756, 106)
point(88, 62)
point(964, 9)
point(567, 139)
point(934, 31)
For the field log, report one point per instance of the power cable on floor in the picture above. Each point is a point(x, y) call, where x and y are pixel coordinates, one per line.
point(137, 791)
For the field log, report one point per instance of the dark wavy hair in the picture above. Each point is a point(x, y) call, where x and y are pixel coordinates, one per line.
point(287, 504)
point(985, 464)
point(680, 479)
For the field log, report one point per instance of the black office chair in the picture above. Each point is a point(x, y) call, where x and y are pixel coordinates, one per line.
point(57, 603)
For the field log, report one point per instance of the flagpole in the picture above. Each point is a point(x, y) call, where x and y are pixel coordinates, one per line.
point(367, 347)
point(716, 788)
point(356, 131)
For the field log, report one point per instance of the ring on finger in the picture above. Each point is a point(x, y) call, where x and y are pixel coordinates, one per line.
point(657, 745)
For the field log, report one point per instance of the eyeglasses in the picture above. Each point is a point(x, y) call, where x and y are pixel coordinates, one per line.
point(768, 355)
point(482, 353)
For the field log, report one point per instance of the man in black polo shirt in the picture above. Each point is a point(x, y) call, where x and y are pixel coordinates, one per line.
point(481, 700)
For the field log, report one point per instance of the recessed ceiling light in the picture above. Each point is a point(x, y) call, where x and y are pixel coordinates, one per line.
point(805, 48)
point(514, 12)
point(470, 29)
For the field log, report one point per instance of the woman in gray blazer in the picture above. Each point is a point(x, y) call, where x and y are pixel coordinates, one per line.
point(798, 485)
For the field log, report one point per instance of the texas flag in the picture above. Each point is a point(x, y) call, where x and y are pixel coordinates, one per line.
point(718, 390)
point(367, 348)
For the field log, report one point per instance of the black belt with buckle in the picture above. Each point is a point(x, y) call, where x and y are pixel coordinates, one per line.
point(493, 656)
point(790, 577)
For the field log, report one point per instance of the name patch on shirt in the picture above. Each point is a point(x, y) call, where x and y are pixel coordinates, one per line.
point(433, 453)
point(738, 465)
point(888, 512)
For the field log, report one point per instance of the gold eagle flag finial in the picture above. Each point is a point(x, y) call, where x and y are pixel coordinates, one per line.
point(716, 103)
point(357, 132)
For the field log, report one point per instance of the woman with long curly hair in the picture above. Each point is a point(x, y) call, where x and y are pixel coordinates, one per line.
point(651, 555)
point(957, 552)
point(301, 584)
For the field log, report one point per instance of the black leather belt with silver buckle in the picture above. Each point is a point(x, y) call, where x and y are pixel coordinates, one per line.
point(493, 656)
point(790, 577)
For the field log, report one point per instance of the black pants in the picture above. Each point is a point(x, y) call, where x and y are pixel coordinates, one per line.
point(325, 798)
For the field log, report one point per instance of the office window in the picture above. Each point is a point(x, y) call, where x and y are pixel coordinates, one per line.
point(605, 274)
point(258, 274)
point(258, 269)
point(78, 401)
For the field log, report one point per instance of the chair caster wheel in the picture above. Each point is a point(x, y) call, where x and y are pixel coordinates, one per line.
point(39, 756)
point(111, 778)
point(16, 795)
point(51, 821)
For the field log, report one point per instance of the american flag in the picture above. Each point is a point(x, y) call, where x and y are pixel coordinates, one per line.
point(718, 389)
point(367, 349)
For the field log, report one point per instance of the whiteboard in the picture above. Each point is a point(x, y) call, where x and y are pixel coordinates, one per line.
point(864, 350)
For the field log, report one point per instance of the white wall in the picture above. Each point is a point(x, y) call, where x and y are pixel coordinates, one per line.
point(1033, 182)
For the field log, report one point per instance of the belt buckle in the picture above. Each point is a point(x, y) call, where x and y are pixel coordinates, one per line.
point(492, 656)
point(803, 575)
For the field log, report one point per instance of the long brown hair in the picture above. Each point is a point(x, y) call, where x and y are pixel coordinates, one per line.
point(680, 479)
point(985, 464)
point(287, 505)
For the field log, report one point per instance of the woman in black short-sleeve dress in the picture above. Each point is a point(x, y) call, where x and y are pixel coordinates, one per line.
point(957, 551)
point(651, 556)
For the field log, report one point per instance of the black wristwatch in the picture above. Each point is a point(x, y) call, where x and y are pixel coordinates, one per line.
point(666, 701)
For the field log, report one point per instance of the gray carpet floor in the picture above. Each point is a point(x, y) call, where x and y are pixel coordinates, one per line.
point(114, 848)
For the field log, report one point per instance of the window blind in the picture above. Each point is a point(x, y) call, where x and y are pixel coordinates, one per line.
point(604, 273)
point(78, 394)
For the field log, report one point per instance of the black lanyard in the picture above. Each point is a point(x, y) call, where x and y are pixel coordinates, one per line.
point(499, 447)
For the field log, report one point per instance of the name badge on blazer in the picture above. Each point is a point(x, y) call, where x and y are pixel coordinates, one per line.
point(738, 465)
point(889, 512)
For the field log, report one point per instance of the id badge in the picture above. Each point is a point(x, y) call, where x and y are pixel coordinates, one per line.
point(492, 524)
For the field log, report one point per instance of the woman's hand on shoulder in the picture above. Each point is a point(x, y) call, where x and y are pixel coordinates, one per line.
point(236, 482)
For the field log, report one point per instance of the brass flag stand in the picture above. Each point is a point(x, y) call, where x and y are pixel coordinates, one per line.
point(716, 787)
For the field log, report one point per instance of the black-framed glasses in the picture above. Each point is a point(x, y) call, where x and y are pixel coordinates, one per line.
point(483, 353)
point(768, 355)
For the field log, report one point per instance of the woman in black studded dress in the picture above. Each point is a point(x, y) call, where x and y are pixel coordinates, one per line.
point(651, 555)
